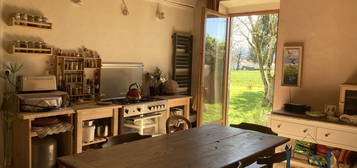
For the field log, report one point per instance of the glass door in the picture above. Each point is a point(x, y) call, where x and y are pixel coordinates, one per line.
point(214, 69)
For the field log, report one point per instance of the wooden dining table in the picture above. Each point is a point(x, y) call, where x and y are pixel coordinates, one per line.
point(210, 146)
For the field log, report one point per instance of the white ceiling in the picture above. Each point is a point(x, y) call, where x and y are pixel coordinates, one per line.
point(246, 5)
point(235, 3)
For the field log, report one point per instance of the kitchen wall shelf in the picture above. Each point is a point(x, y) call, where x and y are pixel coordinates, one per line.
point(96, 141)
point(39, 51)
point(24, 23)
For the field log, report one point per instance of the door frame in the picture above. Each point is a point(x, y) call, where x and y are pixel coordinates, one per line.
point(200, 90)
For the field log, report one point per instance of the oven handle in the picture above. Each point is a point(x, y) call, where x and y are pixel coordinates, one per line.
point(147, 117)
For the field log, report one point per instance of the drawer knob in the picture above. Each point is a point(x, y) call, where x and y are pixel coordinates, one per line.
point(327, 134)
point(279, 125)
point(305, 130)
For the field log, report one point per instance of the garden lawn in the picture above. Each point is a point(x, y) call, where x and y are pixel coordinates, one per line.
point(246, 94)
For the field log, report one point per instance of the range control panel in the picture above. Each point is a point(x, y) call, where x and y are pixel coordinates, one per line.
point(144, 108)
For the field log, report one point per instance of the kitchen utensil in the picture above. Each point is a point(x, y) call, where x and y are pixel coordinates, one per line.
point(134, 93)
point(88, 131)
point(43, 101)
point(44, 152)
point(171, 87)
point(45, 121)
point(102, 131)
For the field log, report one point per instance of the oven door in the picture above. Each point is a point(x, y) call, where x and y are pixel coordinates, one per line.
point(147, 124)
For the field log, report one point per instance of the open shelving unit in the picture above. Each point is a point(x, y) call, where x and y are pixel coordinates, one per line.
point(87, 112)
point(23, 135)
point(25, 23)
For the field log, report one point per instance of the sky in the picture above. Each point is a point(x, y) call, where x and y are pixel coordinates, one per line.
point(216, 27)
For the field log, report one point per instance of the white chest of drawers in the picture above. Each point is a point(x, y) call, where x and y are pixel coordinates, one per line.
point(315, 131)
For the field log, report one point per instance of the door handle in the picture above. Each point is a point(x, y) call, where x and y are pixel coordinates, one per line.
point(305, 130)
point(279, 125)
point(327, 134)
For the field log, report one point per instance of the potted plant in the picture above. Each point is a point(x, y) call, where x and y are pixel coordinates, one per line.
point(157, 80)
point(8, 74)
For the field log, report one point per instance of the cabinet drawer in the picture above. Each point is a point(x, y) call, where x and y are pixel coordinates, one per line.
point(95, 113)
point(292, 128)
point(337, 137)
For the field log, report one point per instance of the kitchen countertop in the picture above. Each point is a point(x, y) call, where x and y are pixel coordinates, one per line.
point(172, 96)
point(323, 119)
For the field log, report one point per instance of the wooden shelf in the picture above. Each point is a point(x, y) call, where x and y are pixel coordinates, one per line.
point(90, 58)
point(68, 71)
point(34, 134)
point(37, 25)
point(96, 141)
point(73, 57)
point(37, 51)
point(27, 115)
point(70, 57)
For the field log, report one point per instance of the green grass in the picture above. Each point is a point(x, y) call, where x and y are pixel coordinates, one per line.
point(246, 93)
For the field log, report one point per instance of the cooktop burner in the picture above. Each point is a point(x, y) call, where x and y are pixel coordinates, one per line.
point(126, 101)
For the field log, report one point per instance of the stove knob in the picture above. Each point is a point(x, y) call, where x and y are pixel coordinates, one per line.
point(150, 108)
point(126, 111)
point(139, 109)
point(162, 106)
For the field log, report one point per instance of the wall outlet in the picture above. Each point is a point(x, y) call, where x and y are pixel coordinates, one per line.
point(330, 109)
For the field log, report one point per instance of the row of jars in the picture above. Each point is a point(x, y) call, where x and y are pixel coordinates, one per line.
point(71, 53)
point(30, 18)
point(74, 53)
point(73, 65)
point(73, 77)
point(92, 63)
point(31, 44)
point(74, 90)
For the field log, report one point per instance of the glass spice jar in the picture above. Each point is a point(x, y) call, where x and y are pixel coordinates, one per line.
point(18, 16)
point(44, 19)
point(30, 18)
point(24, 16)
point(18, 43)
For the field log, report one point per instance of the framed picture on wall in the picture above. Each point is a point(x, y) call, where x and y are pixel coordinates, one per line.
point(292, 63)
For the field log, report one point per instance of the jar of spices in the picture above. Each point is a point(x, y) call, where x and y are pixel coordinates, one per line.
point(30, 18)
point(36, 44)
point(44, 19)
point(39, 44)
point(30, 44)
point(18, 16)
point(24, 16)
point(44, 46)
point(17, 43)
point(38, 19)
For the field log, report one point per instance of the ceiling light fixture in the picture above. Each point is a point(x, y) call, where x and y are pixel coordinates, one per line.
point(77, 2)
point(159, 13)
point(124, 8)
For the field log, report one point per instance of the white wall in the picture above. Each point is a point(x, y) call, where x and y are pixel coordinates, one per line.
point(99, 25)
point(328, 30)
